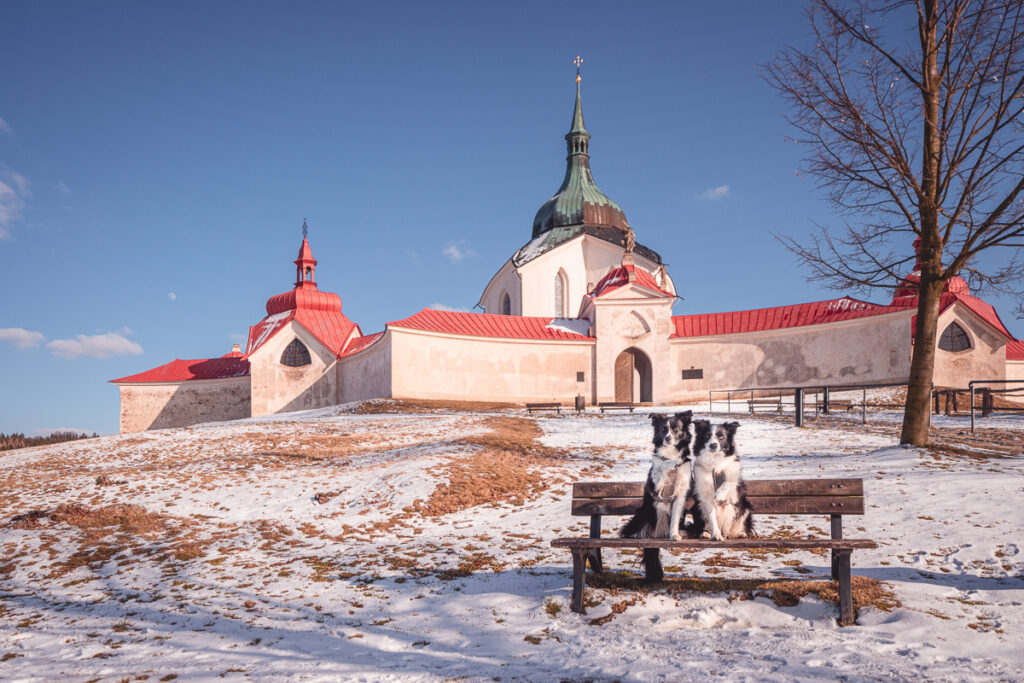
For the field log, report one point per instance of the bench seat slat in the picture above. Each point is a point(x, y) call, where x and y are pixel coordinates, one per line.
point(761, 505)
point(755, 487)
point(740, 543)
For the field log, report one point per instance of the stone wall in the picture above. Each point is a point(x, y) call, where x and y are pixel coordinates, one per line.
point(277, 388)
point(450, 367)
point(163, 406)
point(366, 374)
point(986, 359)
point(867, 350)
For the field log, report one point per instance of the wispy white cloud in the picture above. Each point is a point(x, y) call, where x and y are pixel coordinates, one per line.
point(4, 128)
point(14, 188)
point(444, 307)
point(457, 251)
point(172, 296)
point(62, 187)
point(95, 346)
point(22, 339)
point(715, 193)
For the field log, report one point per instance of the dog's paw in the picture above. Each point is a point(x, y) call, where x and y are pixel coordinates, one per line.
point(717, 537)
point(706, 534)
point(676, 536)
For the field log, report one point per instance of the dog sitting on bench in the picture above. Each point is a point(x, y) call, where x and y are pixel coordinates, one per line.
point(668, 480)
point(721, 508)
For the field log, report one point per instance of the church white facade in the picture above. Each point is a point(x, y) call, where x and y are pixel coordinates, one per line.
point(581, 309)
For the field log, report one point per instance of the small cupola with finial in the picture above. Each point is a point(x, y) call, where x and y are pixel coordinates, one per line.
point(305, 265)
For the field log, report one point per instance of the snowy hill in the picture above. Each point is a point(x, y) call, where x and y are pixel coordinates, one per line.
point(358, 545)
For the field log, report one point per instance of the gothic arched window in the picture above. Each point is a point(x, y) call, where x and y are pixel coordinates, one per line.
point(296, 355)
point(561, 294)
point(954, 338)
point(506, 304)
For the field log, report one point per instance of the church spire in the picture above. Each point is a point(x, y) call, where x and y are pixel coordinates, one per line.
point(578, 138)
point(305, 265)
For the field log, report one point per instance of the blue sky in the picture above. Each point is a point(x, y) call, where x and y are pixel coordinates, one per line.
point(158, 158)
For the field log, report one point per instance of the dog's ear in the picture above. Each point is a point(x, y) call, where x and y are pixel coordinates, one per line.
point(657, 418)
point(702, 425)
point(730, 427)
point(685, 416)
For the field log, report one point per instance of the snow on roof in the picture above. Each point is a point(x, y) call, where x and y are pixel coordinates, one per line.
point(181, 370)
point(490, 325)
point(776, 318)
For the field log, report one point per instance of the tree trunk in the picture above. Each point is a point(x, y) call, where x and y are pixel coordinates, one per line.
point(922, 365)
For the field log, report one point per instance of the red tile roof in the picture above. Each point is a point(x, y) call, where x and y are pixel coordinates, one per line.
point(983, 309)
point(777, 318)
point(360, 343)
point(179, 370)
point(490, 325)
point(619, 277)
point(319, 312)
point(1015, 350)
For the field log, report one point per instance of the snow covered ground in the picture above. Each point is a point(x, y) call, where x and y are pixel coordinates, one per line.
point(417, 563)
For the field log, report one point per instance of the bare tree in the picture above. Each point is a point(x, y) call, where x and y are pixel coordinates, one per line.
point(911, 112)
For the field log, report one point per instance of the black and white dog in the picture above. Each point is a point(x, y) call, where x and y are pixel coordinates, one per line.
point(668, 479)
point(721, 509)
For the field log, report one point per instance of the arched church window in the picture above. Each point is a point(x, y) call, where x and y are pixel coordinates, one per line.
point(954, 338)
point(506, 304)
point(296, 355)
point(561, 293)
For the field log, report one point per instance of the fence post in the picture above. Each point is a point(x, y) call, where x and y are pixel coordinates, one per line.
point(824, 400)
point(864, 406)
point(970, 385)
point(798, 401)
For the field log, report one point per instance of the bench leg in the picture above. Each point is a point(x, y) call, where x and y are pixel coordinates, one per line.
point(846, 615)
point(653, 572)
point(594, 555)
point(578, 579)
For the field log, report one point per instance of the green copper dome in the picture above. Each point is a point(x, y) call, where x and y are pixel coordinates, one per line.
point(579, 201)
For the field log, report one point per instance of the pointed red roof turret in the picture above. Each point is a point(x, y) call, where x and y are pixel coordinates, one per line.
point(305, 265)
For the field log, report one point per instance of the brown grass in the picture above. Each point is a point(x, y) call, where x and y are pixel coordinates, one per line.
point(507, 467)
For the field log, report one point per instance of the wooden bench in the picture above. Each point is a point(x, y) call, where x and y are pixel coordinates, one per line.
point(616, 405)
point(832, 497)
point(773, 403)
point(836, 405)
point(532, 407)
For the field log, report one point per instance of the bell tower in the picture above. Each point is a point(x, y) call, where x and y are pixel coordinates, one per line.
point(305, 265)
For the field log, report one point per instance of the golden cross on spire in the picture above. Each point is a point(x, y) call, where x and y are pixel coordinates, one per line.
point(577, 62)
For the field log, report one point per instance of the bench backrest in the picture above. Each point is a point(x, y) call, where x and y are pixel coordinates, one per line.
point(767, 497)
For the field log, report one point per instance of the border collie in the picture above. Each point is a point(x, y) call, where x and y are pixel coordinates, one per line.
point(722, 509)
point(667, 480)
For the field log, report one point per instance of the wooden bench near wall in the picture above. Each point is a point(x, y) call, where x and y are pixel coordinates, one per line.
point(616, 405)
point(533, 407)
point(832, 497)
point(772, 403)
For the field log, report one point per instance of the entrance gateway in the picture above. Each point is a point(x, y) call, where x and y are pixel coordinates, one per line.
point(633, 377)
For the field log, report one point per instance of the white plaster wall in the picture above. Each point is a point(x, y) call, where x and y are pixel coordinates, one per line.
point(180, 404)
point(366, 374)
point(505, 280)
point(624, 319)
point(1015, 369)
point(278, 388)
point(433, 366)
point(531, 288)
point(868, 350)
point(986, 359)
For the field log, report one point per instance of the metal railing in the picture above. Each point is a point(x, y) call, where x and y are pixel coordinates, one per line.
point(970, 386)
point(799, 394)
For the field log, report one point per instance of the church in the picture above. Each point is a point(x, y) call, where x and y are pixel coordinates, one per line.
point(582, 309)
